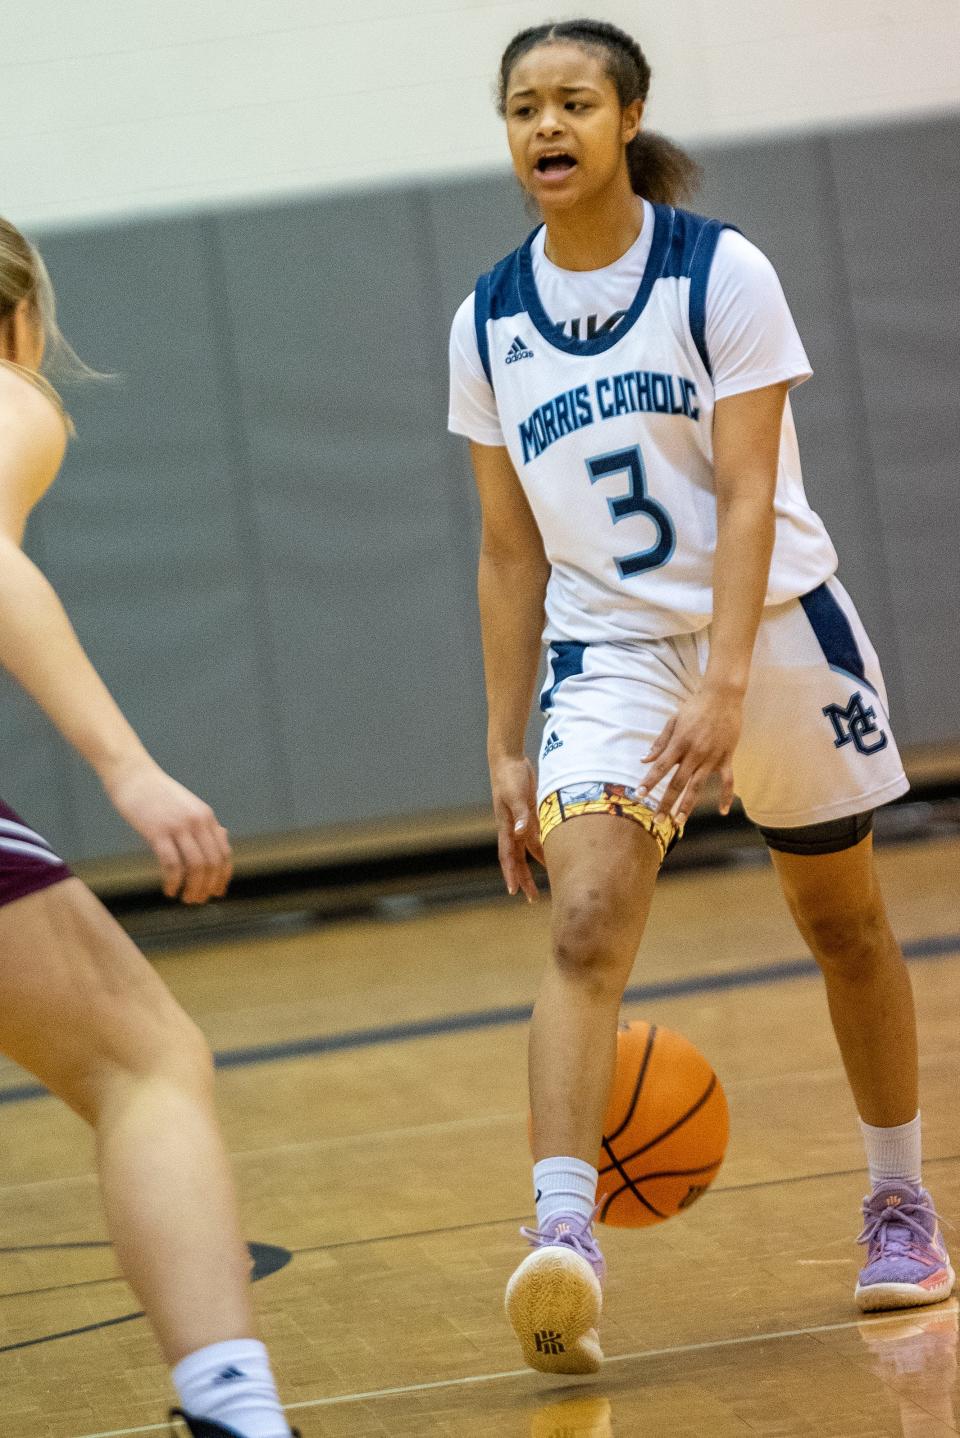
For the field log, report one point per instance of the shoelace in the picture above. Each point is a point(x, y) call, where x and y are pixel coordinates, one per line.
point(581, 1240)
point(882, 1230)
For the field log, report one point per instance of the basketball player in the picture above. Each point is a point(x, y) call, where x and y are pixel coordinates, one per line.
point(623, 378)
point(79, 1006)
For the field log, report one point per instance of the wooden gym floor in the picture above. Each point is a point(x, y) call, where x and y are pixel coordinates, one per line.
point(382, 1163)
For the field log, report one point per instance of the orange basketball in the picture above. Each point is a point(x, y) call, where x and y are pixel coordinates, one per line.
point(665, 1130)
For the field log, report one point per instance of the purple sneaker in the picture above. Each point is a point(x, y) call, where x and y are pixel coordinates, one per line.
point(907, 1263)
point(554, 1298)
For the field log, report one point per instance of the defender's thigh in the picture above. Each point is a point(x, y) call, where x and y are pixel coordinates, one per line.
point(79, 1001)
point(816, 742)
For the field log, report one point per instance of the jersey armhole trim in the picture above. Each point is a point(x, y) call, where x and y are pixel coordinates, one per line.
point(481, 311)
point(700, 265)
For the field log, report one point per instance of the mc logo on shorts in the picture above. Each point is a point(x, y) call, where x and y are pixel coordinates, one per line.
point(854, 723)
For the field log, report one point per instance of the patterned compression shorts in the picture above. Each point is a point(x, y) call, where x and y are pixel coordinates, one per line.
point(598, 797)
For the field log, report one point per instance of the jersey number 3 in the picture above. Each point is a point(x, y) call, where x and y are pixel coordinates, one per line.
point(635, 501)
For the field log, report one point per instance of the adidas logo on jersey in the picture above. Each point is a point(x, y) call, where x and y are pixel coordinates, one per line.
point(553, 742)
point(518, 351)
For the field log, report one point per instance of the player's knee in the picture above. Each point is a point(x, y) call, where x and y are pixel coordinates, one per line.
point(156, 1045)
point(186, 1054)
point(585, 943)
point(848, 942)
point(168, 1046)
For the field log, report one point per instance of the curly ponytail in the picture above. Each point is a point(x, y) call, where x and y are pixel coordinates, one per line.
point(659, 169)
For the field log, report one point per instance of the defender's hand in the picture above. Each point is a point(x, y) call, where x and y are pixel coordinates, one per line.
point(184, 833)
point(518, 832)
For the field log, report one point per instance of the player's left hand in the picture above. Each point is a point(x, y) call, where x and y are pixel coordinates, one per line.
point(698, 741)
point(191, 844)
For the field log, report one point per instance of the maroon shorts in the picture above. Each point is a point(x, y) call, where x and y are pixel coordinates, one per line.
point(27, 862)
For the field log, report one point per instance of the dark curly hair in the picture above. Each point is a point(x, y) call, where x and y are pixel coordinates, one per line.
point(659, 169)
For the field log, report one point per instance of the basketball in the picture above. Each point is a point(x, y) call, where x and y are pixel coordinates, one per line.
point(665, 1129)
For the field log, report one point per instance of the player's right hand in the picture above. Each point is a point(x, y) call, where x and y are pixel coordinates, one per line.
point(518, 831)
point(185, 834)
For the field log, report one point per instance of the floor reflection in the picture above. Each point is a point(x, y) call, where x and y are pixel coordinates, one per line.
point(574, 1418)
point(916, 1356)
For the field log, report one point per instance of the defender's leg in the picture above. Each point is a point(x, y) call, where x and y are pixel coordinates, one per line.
point(82, 1009)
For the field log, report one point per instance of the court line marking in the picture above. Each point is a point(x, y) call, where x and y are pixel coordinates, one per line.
point(474, 1379)
point(715, 1191)
point(935, 946)
point(334, 1141)
point(455, 1125)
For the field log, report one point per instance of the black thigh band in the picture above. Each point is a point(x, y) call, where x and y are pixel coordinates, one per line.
point(828, 838)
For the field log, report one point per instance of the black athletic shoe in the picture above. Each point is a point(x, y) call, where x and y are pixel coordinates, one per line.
point(203, 1428)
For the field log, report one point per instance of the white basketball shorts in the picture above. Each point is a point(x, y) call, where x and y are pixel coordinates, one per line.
point(816, 742)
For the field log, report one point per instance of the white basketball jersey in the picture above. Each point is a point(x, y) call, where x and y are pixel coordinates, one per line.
point(611, 437)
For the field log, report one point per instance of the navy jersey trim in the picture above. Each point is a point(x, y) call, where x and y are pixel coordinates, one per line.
point(693, 244)
point(704, 251)
point(481, 313)
point(683, 246)
point(686, 233)
point(834, 635)
point(554, 334)
point(496, 297)
point(566, 661)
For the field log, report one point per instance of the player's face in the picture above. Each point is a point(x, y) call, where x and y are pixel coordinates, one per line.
point(565, 125)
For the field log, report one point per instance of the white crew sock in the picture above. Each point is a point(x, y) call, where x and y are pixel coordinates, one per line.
point(564, 1185)
point(893, 1152)
point(231, 1383)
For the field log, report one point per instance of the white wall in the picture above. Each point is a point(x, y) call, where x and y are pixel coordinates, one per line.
point(128, 106)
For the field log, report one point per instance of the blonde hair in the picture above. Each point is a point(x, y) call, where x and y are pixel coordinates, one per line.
point(23, 276)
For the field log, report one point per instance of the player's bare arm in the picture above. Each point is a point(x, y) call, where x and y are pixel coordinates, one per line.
point(701, 738)
point(40, 649)
point(511, 584)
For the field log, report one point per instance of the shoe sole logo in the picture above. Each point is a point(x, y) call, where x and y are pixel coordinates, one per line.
point(549, 1342)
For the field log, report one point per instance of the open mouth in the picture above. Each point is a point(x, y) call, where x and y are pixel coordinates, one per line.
point(559, 164)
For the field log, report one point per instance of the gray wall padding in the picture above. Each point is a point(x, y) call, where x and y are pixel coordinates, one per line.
point(342, 403)
point(143, 535)
point(899, 203)
point(267, 540)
